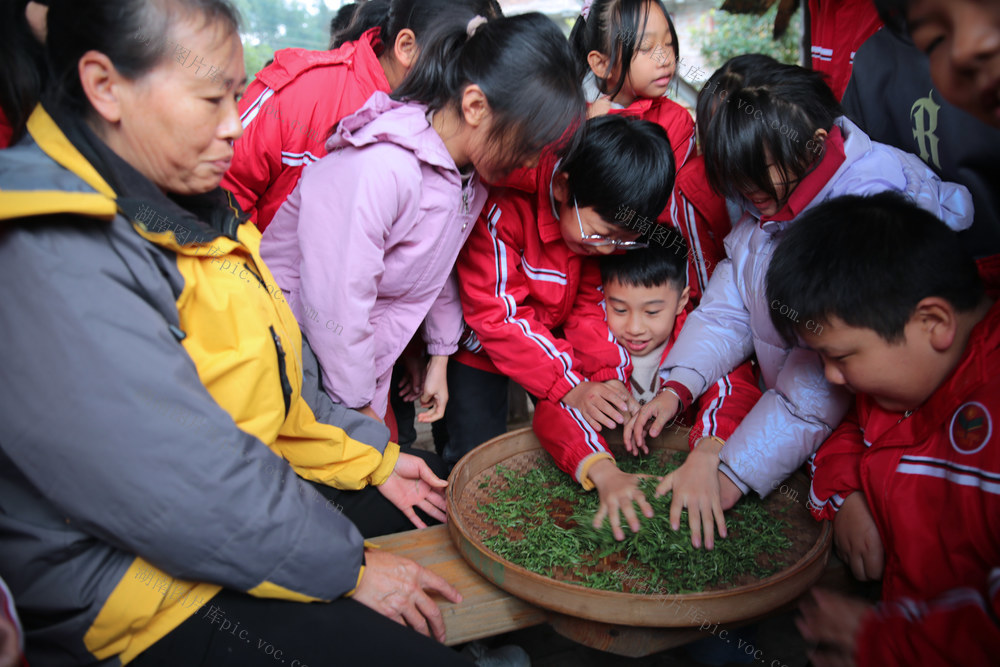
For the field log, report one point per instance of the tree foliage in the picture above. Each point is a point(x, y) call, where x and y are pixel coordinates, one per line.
point(269, 25)
point(722, 36)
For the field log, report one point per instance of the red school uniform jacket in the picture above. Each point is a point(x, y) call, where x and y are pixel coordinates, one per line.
point(575, 446)
point(700, 214)
point(837, 29)
point(536, 309)
point(669, 115)
point(287, 113)
point(932, 481)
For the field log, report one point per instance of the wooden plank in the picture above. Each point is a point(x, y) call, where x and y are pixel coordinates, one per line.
point(485, 610)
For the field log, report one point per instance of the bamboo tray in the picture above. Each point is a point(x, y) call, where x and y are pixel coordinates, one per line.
point(518, 449)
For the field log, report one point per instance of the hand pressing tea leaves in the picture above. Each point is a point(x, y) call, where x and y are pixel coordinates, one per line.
point(544, 521)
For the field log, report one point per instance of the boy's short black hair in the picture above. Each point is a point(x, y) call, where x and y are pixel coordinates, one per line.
point(621, 163)
point(868, 261)
point(650, 267)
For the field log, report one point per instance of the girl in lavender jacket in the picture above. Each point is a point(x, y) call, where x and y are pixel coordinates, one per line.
point(776, 144)
point(365, 246)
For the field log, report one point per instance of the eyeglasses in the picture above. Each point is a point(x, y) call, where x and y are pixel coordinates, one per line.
point(599, 241)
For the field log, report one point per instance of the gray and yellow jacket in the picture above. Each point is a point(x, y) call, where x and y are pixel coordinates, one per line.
point(153, 425)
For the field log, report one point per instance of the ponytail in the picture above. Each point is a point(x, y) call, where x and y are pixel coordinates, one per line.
point(393, 16)
point(523, 66)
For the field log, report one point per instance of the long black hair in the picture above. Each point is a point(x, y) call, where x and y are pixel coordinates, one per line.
point(612, 28)
point(22, 66)
point(133, 34)
point(621, 164)
point(420, 16)
point(524, 67)
point(764, 113)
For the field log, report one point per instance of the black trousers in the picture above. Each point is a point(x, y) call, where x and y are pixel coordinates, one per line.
point(476, 412)
point(238, 630)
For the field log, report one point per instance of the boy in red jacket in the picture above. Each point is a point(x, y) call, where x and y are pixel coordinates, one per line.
point(645, 295)
point(914, 474)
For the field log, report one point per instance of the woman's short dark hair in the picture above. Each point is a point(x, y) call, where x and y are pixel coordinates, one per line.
point(524, 67)
point(132, 33)
point(621, 164)
point(867, 261)
point(22, 66)
point(393, 16)
point(612, 28)
point(765, 113)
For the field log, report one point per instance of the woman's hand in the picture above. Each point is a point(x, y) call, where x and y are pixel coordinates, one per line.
point(618, 491)
point(697, 488)
point(661, 410)
point(413, 484)
point(396, 588)
point(600, 403)
point(435, 391)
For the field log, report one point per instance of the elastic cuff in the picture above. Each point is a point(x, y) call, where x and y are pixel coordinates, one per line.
point(361, 573)
point(682, 393)
point(728, 472)
point(606, 374)
point(385, 468)
point(583, 470)
point(442, 349)
point(560, 389)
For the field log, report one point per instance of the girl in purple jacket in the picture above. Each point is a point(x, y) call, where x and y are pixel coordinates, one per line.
point(776, 144)
point(365, 246)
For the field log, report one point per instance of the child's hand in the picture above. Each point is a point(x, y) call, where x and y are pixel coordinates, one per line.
point(600, 107)
point(661, 410)
point(412, 383)
point(619, 386)
point(696, 487)
point(617, 490)
point(599, 403)
point(368, 412)
point(857, 539)
point(832, 621)
point(435, 391)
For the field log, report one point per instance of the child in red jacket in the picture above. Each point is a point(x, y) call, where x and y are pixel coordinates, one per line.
point(530, 284)
point(645, 297)
point(912, 480)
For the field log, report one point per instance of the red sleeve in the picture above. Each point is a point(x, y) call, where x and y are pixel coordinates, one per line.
point(837, 468)
point(723, 406)
point(257, 153)
point(6, 130)
point(599, 356)
point(494, 292)
point(680, 131)
point(572, 442)
point(958, 628)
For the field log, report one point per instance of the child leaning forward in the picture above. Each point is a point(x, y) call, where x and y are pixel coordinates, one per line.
point(911, 479)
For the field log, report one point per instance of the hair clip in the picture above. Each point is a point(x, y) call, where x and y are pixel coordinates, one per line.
point(585, 10)
point(474, 24)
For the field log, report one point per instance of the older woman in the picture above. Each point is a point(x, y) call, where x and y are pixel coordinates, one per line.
point(155, 444)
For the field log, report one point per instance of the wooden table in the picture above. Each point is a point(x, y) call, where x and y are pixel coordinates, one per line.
point(486, 610)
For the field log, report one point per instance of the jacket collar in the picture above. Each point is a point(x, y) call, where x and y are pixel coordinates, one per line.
point(406, 124)
point(290, 63)
point(69, 141)
point(815, 181)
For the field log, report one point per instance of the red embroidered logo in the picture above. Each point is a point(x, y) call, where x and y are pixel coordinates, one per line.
point(971, 428)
